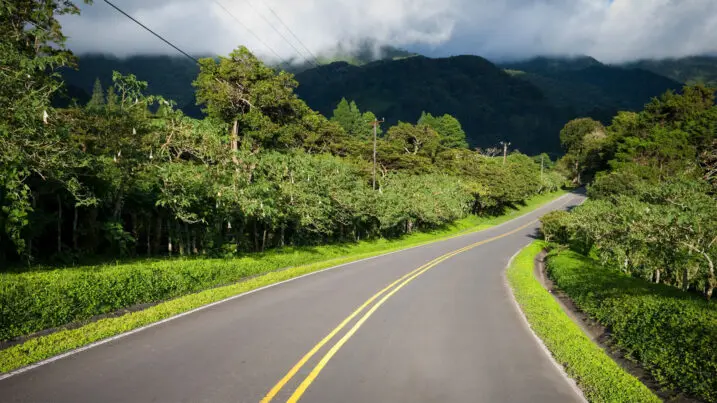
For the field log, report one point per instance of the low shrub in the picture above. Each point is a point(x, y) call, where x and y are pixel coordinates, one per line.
point(37, 300)
point(673, 334)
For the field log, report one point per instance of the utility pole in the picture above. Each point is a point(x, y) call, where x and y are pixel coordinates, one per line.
point(375, 124)
point(505, 150)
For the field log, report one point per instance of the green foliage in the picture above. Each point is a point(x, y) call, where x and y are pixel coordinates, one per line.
point(98, 96)
point(40, 299)
point(449, 129)
point(689, 70)
point(599, 377)
point(671, 333)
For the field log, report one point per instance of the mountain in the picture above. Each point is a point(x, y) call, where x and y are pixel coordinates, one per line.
point(172, 76)
point(524, 102)
point(169, 76)
point(690, 70)
point(359, 53)
point(590, 87)
point(491, 104)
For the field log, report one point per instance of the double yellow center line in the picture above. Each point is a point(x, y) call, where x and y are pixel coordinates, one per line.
point(384, 295)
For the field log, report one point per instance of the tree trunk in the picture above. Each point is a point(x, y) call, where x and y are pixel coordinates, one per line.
point(135, 233)
point(281, 236)
point(74, 229)
point(149, 236)
point(235, 141)
point(577, 173)
point(180, 240)
point(59, 224)
point(263, 240)
point(256, 238)
point(685, 279)
point(194, 243)
point(187, 235)
point(158, 233)
point(169, 237)
point(657, 276)
point(118, 208)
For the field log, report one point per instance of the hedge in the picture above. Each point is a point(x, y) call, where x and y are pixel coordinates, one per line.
point(671, 333)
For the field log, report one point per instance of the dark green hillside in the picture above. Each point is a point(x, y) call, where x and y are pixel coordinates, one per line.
point(588, 87)
point(691, 70)
point(169, 76)
point(491, 104)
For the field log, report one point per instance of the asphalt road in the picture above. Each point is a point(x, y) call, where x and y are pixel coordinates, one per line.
point(448, 332)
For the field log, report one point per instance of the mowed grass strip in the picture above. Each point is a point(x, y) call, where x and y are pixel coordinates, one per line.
point(597, 375)
point(265, 267)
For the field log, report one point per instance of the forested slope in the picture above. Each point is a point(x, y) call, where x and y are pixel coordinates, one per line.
point(129, 174)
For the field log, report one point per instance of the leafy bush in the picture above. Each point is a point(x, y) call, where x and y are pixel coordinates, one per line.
point(671, 333)
point(38, 300)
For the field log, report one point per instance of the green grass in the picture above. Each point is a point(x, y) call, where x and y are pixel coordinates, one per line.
point(58, 290)
point(597, 375)
point(671, 333)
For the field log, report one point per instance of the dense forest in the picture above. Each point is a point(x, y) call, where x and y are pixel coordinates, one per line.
point(129, 174)
point(652, 210)
point(528, 107)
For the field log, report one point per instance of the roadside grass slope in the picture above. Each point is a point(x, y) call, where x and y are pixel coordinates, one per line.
point(597, 375)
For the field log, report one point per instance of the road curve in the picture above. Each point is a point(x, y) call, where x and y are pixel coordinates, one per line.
point(430, 324)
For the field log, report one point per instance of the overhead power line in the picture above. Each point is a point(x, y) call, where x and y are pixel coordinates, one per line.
point(152, 32)
point(298, 52)
point(251, 32)
point(316, 60)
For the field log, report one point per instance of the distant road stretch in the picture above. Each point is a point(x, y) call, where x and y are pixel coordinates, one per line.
point(434, 323)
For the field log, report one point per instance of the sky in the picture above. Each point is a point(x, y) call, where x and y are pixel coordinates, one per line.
point(610, 30)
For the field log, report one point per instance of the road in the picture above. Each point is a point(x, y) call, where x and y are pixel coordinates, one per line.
point(446, 331)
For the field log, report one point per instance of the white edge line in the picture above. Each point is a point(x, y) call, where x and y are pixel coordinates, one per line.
point(573, 385)
point(233, 297)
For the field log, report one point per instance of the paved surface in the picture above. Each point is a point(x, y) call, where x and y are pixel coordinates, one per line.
point(452, 334)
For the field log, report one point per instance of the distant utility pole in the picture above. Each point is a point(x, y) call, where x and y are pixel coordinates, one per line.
point(375, 124)
point(505, 150)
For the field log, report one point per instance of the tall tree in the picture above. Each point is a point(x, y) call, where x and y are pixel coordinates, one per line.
point(31, 45)
point(581, 138)
point(448, 128)
point(98, 96)
point(240, 89)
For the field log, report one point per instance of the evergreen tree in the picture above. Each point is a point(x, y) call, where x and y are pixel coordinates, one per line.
point(98, 96)
point(448, 128)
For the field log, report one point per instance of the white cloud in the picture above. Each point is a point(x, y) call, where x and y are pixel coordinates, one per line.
point(614, 30)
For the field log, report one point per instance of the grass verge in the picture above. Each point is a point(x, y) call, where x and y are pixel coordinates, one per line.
point(265, 267)
point(671, 333)
point(597, 375)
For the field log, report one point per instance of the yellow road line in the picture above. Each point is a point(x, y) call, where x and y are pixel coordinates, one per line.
point(412, 274)
point(325, 359)
point(273, 392)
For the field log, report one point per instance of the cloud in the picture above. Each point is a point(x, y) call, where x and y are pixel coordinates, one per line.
point(611, 31)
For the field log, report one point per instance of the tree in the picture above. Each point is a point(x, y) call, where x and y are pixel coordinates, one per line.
point(350, 118)
point(582, 140)
point(231, 87)
point(31, 45)
point(98, 96)
point(448, 128)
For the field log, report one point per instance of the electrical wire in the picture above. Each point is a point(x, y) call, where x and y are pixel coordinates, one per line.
point(316, 60)
point(152, 32)
point(298, 52)
point(283, 61)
